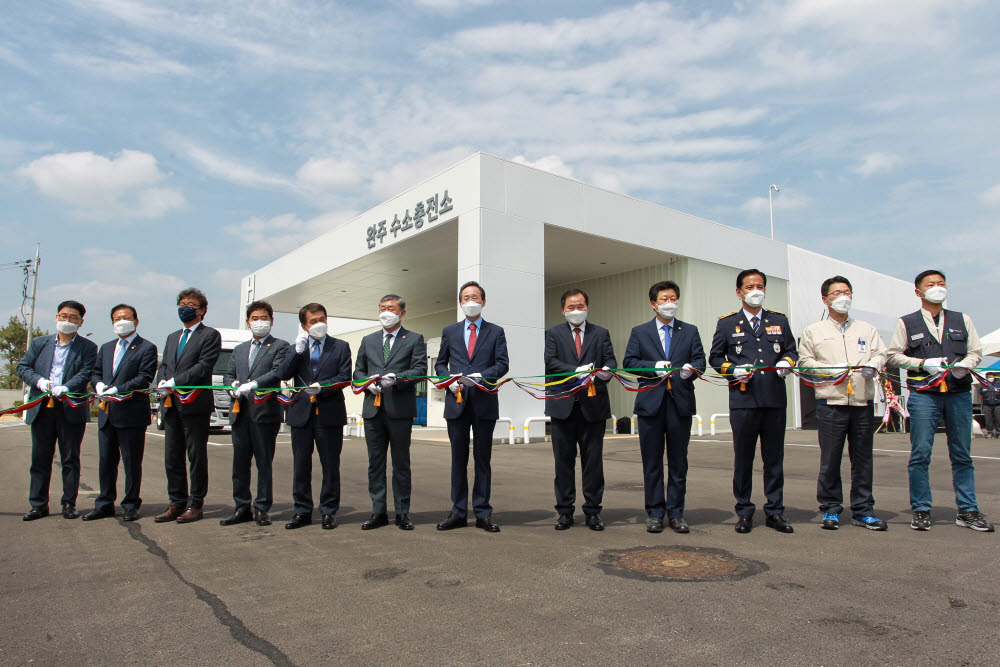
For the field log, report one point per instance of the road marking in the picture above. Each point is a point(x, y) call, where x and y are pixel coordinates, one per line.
point(892, 451)
point(217, 444)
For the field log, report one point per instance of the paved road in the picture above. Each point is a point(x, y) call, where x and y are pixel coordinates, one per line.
point(112, 593)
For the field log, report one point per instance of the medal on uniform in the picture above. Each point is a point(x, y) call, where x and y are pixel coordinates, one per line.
point(777, 347)
point(739, 349)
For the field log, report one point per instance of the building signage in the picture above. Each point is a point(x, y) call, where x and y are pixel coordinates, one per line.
point(422, 212)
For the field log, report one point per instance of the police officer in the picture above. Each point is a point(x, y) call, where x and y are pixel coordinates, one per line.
point(745, 341)
point(991, 406)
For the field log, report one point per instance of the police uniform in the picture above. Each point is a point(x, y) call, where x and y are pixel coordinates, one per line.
point(756, 409)
point(991, 408)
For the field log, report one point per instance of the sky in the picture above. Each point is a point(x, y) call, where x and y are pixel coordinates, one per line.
point(149, 146)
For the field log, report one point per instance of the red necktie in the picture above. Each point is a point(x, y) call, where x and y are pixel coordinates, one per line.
point(579, 343)
point(472, 339)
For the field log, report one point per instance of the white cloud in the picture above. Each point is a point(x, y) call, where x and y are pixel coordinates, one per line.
point(265, 239)
point(328, 172)
point(387, 183)
point(783, 201)
point(991, 197)
point(451, 5)
point(550, 163)
point(100, 188)
point(608, 181)
point(878, 163)
point(232, 170)
point(125, 61)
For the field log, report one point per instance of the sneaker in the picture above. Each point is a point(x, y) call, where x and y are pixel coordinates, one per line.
point(921, 521)
point(975, 520)
point(871, 522)
point(831, 521)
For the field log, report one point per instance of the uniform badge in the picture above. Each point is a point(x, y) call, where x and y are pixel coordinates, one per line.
point(739, 349)
point(737, 328)
point(774, 330)
point(777, 347)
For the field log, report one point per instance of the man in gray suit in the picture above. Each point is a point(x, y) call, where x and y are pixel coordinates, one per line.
point(393, 355)
point(254, 364)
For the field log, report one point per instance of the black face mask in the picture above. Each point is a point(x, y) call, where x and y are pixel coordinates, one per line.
point(187, 313)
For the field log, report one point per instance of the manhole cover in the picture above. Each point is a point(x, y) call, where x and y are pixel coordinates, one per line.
point(625, 486)
point(678, 563)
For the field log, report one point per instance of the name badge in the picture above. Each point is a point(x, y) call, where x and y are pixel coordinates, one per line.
point(738, 334)
point(916, 336)
point(862, 345)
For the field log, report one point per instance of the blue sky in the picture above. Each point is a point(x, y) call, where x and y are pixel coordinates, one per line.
point(149, 146)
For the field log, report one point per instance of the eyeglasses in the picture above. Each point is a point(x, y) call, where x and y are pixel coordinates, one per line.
point(189, 304)
point(834, 295)
point(68, 318)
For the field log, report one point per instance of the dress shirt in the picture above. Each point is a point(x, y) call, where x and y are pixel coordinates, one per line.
point(479, 329)
point(120, 351)
point(583, 330)
point(59, 361)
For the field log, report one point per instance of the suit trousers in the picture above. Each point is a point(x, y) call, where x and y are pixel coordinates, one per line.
point(482, 450)
point(667, 429)
point(991, 413)
point(186, 436)
point(768, 424)
point(328, 441)
point(49, 428)
point(125, 445)
point(384, 435)
point(837, 422)
point(567, 434)
point(252, 440)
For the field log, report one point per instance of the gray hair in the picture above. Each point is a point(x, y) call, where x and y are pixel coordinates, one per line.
point(393, 297)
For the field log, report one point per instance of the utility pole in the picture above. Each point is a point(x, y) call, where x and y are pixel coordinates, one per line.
point(34, 291)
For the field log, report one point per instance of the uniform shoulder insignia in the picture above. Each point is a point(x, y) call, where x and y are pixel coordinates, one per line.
point(777, 313)
point(722, 317)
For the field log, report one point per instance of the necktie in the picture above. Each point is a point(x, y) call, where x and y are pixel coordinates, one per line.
point(666, 341)
point(755, 323)
point(386, 346)
point(184, 340)
point(579, 343)
point(254, 349)
point(122, 346)
point(314, 358)
point(472, 339)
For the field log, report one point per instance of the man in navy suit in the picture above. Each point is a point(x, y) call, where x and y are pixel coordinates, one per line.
point(60, 364)
point(124, 365)
point(665, 410)
point(476, 350)
point(254, 364)
point(578, 345)
point(317, 414)
point(189, 358)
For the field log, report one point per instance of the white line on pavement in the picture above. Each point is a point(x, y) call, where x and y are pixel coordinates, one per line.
point(893, 451)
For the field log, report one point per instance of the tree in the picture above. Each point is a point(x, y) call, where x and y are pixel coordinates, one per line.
point(13, 346)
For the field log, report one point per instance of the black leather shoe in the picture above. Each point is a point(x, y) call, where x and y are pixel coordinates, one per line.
point(778, 522)
point(261, 517)
point(594, 522)
point(239, 515)
point(98, 513)
point(130, 515)
point(329, 521)
point(564, 522)
point(486, 523)
point(654, 524)
point(679, 525)
point(453, 521)
point(403, 521)
point(744, 524)
point(298, 521)
point(36, 513)
point(69, 512)
point(375, 521)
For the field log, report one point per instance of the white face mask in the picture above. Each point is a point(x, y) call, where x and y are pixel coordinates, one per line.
point(260, 328)
point(65, 327)
point(124, 327)
point(936, 294)
point(841, 304)
point(318, 330)
point(667, 310)
point(576, 317)
point(472, 309)
point(754, 298)
point(388, 319)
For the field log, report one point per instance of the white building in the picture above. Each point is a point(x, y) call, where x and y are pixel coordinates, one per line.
point(527, 235)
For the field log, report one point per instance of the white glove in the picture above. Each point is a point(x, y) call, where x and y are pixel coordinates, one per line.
point(869, 370)
point(604, 374)
point(468, 380)
point(388, 380)
point(959, 372)
point(784, 368)
point(313, 389)
point(100, 387)
point(934, 365)
point(584, 369)
point(164, 386)
point(246, 388)
point(455, 387)
point(661, 364)
point(375, 388)
point(59, 391)
point(301, 340)
point(742, 373)
point(687, 370)
point(111, 391)
point(43, 384)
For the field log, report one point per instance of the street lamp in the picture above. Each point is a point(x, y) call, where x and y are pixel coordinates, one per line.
point(770, 205)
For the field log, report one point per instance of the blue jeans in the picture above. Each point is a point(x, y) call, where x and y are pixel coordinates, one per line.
point(926, 410)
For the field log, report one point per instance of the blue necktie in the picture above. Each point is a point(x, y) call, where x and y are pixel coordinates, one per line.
point(314, 357)
point(666, 341)
point(184, 340)
point(121, 355)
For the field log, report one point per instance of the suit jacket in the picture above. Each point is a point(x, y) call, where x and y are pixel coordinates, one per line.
point(264, 371)
point(194, 368)
point(734, 345)
point(334, 367)
point(489, 359)
point(407, 356)
point(135, 371)
point(560, 357)
point(644, 349)
point(37, 364)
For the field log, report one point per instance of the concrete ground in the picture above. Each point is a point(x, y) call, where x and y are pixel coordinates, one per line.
point(106, 592)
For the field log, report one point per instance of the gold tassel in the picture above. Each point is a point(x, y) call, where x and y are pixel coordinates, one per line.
point(51, 403)
point(669, 386)
point(944, 385)
point(743, 386)
point(313, 399)
point(592, 390)
point(458, 396)
point(103, 405)
point(167, 403)
point(236, 406)
point(378, 399)
point(850, 387)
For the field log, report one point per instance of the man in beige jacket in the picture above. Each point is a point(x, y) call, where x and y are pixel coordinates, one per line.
point(844, 410)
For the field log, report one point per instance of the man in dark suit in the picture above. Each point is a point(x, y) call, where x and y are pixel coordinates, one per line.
point(746, 339)
point(578, 346)
point(665, 410)
point(393, 355)
point(189, 357)
point(474, 349)
point(254, 364)
point(60, 364)
point(124, 365)
point(317, 414)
